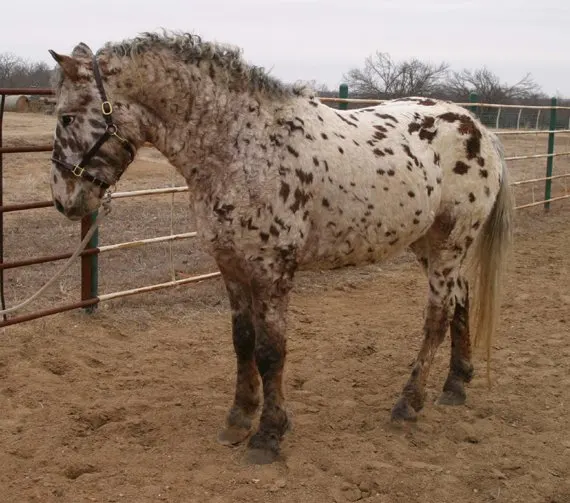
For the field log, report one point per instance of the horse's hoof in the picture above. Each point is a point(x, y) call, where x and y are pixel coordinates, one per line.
point(403, 411)
point(233, 435)
point(257, 456)
point(453, 392)
point(451, 398)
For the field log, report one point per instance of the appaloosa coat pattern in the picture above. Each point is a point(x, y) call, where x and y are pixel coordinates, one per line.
point(280, 181)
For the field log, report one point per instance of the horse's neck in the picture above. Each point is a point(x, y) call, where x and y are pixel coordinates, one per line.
point(187, 117)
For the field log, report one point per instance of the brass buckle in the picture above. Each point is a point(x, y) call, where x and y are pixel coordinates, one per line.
point(106, 108)
point(78, 170)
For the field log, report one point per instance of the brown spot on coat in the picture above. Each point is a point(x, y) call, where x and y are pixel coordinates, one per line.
point(461, 168)
point(292, 151)
point(305, 178)
point(386, 116)
point(413, 127)
point(284, 191)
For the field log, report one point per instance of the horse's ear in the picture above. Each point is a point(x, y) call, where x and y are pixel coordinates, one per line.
point(82, 50)
point(69, 65)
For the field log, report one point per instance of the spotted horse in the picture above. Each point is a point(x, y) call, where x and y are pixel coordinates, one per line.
point(281, 182)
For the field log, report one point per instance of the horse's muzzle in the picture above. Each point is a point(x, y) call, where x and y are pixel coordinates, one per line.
point(75, 212)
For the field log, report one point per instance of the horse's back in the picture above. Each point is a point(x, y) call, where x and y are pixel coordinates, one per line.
point(461, 146)
point(390, 171)
point(376, 189)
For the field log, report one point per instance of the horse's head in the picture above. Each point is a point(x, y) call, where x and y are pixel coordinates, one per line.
point(96, 135)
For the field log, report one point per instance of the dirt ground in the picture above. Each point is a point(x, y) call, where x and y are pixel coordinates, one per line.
point(124, 405)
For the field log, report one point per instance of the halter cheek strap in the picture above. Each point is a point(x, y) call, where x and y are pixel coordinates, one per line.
point(110, 131)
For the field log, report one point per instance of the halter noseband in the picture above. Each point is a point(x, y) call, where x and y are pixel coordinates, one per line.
point(110, 131)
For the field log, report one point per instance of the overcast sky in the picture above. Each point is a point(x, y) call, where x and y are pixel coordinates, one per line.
point(319, 39)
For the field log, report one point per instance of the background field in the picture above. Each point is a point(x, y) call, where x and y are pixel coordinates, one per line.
point(125, 404)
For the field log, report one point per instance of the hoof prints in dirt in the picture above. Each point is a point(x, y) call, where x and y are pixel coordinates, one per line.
point(76, 470)
point(114, 422)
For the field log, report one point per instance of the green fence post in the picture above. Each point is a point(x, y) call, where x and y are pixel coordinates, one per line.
point(473, 98)
point(343, 93)
point(550, 158)
point(90, 264)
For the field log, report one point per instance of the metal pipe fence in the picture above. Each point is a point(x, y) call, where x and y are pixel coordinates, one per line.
point(90, 295)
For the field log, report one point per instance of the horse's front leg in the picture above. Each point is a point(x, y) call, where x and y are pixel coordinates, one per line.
point(246, 399)
point(270, 303)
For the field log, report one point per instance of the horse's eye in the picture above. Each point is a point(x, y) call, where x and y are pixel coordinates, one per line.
point(67, 119)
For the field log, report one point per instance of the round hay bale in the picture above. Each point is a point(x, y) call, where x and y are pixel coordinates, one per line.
point(18, 103)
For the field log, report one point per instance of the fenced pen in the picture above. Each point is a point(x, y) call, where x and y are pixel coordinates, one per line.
point(537, 140)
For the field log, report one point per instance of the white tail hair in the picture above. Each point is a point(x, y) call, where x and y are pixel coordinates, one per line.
point(489, 260)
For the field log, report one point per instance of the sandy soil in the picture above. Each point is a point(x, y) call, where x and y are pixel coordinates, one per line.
point(124, 405)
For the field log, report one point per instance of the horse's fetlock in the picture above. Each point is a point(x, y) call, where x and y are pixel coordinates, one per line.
point(462, 369)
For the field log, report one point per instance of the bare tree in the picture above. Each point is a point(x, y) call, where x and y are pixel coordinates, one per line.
point(16, 72)
point(382, 77)
point(489, 88)
point(9, 63)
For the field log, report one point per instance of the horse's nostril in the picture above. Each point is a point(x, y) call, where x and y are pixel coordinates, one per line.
point(59, 206)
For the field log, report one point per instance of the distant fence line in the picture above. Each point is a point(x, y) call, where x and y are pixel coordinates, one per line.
point(499, 116)
point(90, 295)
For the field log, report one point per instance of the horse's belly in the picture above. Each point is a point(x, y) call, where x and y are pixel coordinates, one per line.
point(372, 230)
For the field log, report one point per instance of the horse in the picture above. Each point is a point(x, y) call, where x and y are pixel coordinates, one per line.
point(281, 182)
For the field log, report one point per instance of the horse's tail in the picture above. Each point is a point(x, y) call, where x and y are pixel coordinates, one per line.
point(489, 260)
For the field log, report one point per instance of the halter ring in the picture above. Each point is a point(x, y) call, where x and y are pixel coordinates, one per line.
point(78, 170)
point(106, 108)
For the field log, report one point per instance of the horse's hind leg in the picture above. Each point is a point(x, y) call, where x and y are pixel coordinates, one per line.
point(460, 367)
point(246, 399)
point(443, 271)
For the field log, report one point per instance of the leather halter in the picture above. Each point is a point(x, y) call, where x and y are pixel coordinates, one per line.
point(110, 131)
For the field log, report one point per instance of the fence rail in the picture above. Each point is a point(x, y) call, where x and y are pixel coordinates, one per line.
point(90, 296)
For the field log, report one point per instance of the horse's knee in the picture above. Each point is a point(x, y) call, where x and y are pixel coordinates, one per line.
point(269, 356)
point(270, 341)
point(243, 335)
